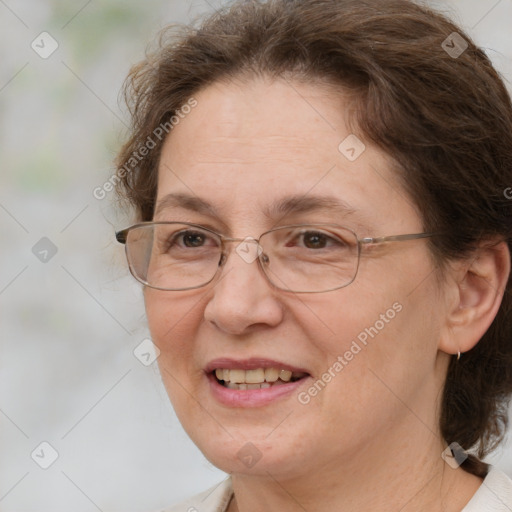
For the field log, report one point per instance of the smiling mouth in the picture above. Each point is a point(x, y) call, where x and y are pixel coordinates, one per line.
point(259, 378)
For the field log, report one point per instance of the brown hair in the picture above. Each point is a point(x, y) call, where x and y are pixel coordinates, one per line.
point(445, 119)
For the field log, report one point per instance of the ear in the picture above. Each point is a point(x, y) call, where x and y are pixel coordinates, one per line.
point(475, 291)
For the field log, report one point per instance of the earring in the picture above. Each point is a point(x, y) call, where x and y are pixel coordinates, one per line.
point(458, 355)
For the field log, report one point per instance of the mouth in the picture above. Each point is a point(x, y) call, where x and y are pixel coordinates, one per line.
point(258, 378)
point(253, 382)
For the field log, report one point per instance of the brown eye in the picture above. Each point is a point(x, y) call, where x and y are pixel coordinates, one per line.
point(315, 240)
point(191, 239)
point(320, 240)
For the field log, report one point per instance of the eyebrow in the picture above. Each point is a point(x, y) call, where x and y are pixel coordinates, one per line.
point(283, 207)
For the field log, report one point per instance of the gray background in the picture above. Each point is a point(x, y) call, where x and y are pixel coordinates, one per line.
point(70, 321)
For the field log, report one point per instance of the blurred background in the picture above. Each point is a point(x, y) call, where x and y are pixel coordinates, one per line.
point(85, 423)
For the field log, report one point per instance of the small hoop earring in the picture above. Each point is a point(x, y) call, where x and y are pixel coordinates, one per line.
point(458, 355)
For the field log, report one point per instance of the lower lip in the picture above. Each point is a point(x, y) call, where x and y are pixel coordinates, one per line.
point(252, 397)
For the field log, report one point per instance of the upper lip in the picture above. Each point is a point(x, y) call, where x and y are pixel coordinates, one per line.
point(251, 364)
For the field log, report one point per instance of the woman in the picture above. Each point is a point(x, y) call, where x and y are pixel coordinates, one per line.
point(324, 240)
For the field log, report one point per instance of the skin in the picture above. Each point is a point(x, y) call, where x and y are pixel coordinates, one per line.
point(370, 438)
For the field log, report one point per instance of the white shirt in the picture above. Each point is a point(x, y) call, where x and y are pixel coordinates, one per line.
point(494, 495)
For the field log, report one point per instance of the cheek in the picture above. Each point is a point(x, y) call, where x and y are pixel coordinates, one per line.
point(171, 313)
point(368, 338)
point(173, 322)
point(373, 370)
point(351, 319)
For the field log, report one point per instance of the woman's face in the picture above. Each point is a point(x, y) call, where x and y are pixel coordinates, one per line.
point(369, 350)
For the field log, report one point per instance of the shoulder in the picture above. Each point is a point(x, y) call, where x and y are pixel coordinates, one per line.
point(215, 499)
point(494, 495)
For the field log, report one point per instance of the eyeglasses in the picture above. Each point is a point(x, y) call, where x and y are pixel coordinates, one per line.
point(304, 258)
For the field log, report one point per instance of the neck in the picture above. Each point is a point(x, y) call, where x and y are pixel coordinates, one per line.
point(407, 475)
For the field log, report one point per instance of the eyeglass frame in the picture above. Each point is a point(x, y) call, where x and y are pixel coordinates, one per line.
point(122, 238)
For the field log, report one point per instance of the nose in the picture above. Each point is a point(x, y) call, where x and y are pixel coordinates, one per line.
point(242, 298)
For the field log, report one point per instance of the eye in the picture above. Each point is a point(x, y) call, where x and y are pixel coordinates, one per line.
point(315, 239)
point(192, 239)
point(189, 239)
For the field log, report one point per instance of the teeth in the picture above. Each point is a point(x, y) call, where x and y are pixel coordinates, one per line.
point(271, 374)
point(254, 379)
point(255, 376)
point(237, 376)
point(232, 385)
point(285, 375)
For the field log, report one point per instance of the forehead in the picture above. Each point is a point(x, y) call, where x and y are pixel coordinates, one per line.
point(247, 146)
point(247, 119)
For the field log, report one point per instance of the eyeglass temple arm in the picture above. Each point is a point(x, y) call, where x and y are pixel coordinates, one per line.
point(394, 238)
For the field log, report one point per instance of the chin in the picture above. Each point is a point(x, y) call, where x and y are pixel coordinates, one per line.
point(257, 455)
